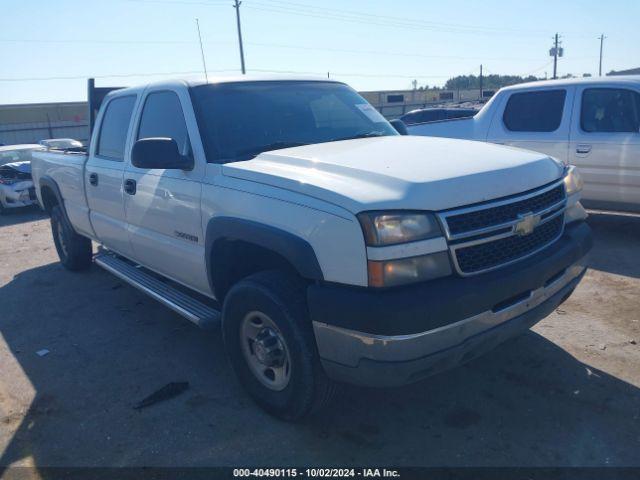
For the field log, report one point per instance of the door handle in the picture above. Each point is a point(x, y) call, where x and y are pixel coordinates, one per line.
point(93, 179)
point(130, 186)
point(583, 149)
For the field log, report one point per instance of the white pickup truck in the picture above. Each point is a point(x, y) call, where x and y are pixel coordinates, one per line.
point(593, 123)
point(337, 249)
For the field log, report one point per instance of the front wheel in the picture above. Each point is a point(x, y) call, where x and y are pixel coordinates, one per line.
point(271, 346)
point(73, 250)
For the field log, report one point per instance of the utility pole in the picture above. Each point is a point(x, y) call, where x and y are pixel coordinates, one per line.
point(237, 7)
point(480, 81)
point(556, 51)
point(555, 57)
point(204, 64)
point(601, 37)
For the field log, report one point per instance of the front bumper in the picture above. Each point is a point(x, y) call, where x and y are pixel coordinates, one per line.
point(17, 196)
point(420, 330)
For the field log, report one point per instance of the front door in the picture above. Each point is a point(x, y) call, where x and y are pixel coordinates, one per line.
point(163, 206)
point(605, 145)
point(104, 174)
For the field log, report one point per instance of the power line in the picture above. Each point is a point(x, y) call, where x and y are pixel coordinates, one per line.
point(115, 75)
point(538, 69)
point(229, 70)
point(281, 6)
point(359, 20)
point(386, 18)
point(133, 42)
point(269, 45)
point(295, 8)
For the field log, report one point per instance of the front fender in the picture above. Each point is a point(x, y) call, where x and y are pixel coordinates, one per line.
point(297, 251)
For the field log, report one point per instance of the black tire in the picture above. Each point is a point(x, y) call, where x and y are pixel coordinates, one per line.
point(282, 298)
point(74, 251)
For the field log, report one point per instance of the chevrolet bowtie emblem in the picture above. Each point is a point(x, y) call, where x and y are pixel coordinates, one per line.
point(527, 222)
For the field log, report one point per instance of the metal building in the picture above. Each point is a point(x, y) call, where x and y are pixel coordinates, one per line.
point(30, 123)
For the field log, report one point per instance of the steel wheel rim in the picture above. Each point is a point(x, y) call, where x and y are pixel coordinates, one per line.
point(265, 350)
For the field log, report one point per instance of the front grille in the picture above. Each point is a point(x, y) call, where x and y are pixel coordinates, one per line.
point(488, 235)
point(498, 215)
point(484, 256)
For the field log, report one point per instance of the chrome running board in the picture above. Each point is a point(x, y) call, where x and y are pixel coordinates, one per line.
point(202, 315)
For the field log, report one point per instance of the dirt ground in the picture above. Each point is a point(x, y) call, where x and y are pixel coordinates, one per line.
point(565, 394)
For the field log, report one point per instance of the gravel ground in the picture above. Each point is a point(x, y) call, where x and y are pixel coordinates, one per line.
point(565, 394)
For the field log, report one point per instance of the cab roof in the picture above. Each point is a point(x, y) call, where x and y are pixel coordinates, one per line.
point(196, 82)
point(566, 82)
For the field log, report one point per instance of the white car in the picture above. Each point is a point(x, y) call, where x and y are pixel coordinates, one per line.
point(61, 143)
point(16, 186)
point(337, 250)
point(593, 123)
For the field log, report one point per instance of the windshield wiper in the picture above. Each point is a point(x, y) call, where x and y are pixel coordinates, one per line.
point(254, 151)
point(362, 135)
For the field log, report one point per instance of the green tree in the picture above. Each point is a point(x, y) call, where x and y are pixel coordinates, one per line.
point(489, 82)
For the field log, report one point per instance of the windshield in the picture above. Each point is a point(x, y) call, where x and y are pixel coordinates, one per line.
point(238, 121)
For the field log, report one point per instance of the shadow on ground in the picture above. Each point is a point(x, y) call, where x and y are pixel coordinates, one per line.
point(526, 403)
point(614, 234)
point(21, 215)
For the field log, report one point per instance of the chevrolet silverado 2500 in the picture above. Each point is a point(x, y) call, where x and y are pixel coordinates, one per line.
point(593, 123)
point(338, 250)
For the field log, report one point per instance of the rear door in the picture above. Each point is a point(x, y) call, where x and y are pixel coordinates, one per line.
point(536, 120)
point(605, 145)
point(104, 174)
point(163, 210)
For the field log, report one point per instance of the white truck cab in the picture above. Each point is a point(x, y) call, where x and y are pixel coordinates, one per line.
point(329, 247)
point(593, 123)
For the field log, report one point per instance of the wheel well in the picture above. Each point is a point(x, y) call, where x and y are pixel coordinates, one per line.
point(233, 260)
point(49, 198)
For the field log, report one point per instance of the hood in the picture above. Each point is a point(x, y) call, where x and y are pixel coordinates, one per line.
point(400, 172)
point(18, 167)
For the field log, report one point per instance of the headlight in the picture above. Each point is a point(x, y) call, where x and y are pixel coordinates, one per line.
point(382, 229)
point(573, 181)
point(400, 271)
point(390, 228)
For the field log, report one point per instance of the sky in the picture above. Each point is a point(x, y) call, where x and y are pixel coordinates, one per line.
point(48, 48)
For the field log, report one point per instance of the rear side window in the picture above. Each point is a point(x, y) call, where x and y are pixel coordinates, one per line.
point(162, 117)
point(114, 127)
point(610, 110)
point(534, 111)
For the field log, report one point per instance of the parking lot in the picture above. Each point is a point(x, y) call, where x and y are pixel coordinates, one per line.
point(567, 393)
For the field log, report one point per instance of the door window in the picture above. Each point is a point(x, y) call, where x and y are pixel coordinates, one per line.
point(162, 116)
point(610, 110)
point(539, 111)
point(114, 128)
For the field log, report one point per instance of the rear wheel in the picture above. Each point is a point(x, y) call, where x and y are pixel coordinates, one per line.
point(74, 250)
point(271, 346)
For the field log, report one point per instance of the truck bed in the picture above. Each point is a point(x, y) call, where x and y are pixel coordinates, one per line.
point(66, 169)
point(450, 128)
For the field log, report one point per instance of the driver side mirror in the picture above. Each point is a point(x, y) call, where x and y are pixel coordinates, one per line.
point(399, 125)
point(159, 153)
